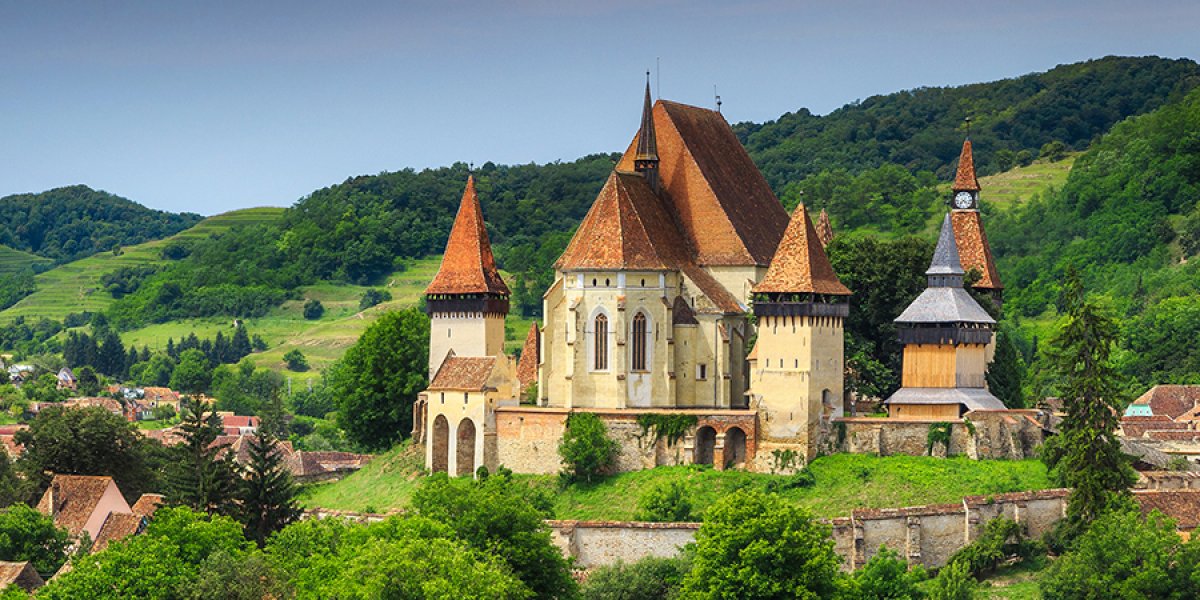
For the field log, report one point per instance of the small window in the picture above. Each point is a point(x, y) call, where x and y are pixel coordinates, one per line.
point(465, 396)
point(797, 363)
point(606, 284)
point(643, 283)
point(448, 330)
point(593, 283)
point(701, 372)
point(443, 397)
point(639, 342)
point(600, 350)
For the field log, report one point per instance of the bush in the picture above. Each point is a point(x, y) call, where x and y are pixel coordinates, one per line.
point(313, 309)
point(372, 297)
point(954, 582)
point(586, 449)
point(665, 503)
point(295, 360)
point(887, 577)
point(1001, 539)
point(648, 578)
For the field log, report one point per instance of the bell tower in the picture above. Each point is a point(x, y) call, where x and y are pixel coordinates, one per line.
point(796, 378)
point(973, 249)
point(467, 300)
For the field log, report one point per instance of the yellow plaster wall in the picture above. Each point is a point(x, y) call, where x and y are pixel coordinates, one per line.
point(468, 334)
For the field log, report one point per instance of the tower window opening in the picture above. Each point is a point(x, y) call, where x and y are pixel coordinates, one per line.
point(639, 342)
point(600, 350)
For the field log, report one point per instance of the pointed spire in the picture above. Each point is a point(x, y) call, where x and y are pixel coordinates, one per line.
point(945, 270)
point(800, 265)
point(964, 179)
point(824, 229)
point(468, 266)
point(647, 147)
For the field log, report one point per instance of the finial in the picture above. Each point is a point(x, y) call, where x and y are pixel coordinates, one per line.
point(718, 97)
point(968, 120)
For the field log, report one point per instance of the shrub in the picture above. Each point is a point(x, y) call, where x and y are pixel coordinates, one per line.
point(586, 449)
point(313, 309)
point(657, 578)
point(665, 503)
point(887, 577)
point(372, 297)
point(954, 582)
point(295, 360)
point(1001, 539)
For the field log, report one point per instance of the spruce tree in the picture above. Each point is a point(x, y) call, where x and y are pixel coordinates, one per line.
point(267, 494)
point(240, 344)
point(1086, 455)
point(200, 478)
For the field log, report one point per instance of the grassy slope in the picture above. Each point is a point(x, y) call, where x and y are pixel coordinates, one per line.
point(13, 260)
point(1019, 184)
point(75, 287)
point(843, 482)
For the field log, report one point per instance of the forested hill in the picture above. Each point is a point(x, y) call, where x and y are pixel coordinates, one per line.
point(922, 129)
point(73, 222)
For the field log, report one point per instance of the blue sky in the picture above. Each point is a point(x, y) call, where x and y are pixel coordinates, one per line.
point(210, 106)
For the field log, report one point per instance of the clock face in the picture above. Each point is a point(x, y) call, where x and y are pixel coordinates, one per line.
point(963, 200)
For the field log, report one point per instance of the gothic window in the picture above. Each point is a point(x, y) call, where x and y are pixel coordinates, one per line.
point(600, 350)
point(639, 342)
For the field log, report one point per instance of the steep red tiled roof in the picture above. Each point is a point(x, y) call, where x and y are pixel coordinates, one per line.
point(824, 228)
point(1136, 427)
point(75, 498)
point(1170, 400)
point(682, 313)
point(964, 177)
point(147, 504)
point(527, 372)
point(117, 527)
point(468, 266)
point(973, 249)
point(800, 264)
point(463, 373)
point(725, 209)
point(1181, 505)
point(21, 574)
point(627, 228)
point(238, 421)
point(753, 353)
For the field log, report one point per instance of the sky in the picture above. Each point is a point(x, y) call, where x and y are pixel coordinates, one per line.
point(211, 106)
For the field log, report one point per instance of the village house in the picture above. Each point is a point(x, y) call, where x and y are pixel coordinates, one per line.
point(20, 574)
point(66, 379)
point(82, 503)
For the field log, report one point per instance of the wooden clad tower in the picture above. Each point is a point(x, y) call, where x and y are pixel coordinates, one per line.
point(796, 374)
point(467, 300)
point(945, 334)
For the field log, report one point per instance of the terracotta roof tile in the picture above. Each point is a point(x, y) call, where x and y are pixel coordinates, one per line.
point(468, 266)
point(964, 177)
point(753, 353)
point(627, 228)
point(75, 498)
point(527, 368)
point(973, 249)
point(465, 373)
point(117, 527)
point(147, 504)
point(712, 289)
point(1170, 400)
point(824, 228)
point(1181, 505)
point(21, 574)
point(725, 209)
point(800, 264)
point(682, 313)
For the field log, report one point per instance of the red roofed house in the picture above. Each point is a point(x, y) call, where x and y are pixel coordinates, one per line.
point(82, 503)
point(238, 424)
point(20, 574)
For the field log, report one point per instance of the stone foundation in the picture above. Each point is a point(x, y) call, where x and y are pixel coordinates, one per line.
point(1006, 434)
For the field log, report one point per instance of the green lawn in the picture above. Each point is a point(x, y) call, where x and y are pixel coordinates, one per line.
point(1015, 583)
point(843, 482)
point(75, 286)
point(13, 260)
point(1019, 184)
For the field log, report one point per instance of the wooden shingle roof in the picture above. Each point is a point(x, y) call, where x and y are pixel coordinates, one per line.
point(21, 574)
point(147, 504)
point(800, 264)
point(468, 266)
point(964, 176)
point(824, 228)
point(973, 249)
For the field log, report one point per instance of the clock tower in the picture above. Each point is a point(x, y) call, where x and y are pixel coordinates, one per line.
point(965, 191)
point(973, 250)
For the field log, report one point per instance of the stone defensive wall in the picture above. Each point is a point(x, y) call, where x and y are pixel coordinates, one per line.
point(980, 434)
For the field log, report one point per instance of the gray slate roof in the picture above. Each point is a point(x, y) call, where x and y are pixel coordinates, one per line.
point(945, 305)
point(972, 398)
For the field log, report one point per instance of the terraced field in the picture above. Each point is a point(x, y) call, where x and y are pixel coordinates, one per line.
point(1019, 184)
point(75, 287)
point(13, 260)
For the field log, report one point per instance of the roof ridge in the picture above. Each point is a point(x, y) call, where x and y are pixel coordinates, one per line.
point(964, 175)
point(800, 264)
point(945, 256)
point(468, 265)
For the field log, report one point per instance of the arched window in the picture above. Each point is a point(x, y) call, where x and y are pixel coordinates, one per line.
point(600, 350)
point(639, 342)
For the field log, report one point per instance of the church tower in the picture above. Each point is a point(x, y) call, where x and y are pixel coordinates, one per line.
point(467, 300)
point(973, 250)
point(645, 161)
point(796, 366)
point(945, 335)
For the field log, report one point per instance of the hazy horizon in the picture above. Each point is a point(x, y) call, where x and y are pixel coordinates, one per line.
point(207, 108)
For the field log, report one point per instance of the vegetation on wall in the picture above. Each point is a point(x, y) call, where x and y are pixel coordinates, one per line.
point(669, 426)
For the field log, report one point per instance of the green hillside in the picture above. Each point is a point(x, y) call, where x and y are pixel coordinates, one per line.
point(75, 287)
point(14, 261)
point(1019, 184)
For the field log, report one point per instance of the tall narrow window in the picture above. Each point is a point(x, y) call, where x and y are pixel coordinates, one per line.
point(601, 341)
point(639, 342)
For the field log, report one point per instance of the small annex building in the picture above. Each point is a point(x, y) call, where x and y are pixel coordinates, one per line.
point(82, 503)
point(21, 574)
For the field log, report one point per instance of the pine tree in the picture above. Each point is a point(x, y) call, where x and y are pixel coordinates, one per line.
point(267, 494)
point(111, 357)
point(171, 350)
point(1005, 372)
point(220, 350)
point(1086, 455)
point(241, 343)
point(199, 478)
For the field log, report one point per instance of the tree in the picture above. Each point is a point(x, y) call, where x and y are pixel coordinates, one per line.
point(1126, 555)
point(28, 535)
point(650, 578)
point(192, 375)
point(13, 488)
point(313, 309)
point(1005, 373)
point(268, 494)
point(953, 582)
point(886, 576)
point(378, 379)
point(234, 576)
point(585, 448)
point(1053, 151)
point(86, 381)
point(754, 545)
point(665, 503)
point(295, 360)
point(373, 296)
point(240, 344)
point(1086, 455)
point(86, 441)
point(501, 517)
point(200, 478)
point(154, 372)
point(110, 356)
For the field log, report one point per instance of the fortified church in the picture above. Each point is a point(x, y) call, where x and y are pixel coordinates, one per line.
point(689, 294)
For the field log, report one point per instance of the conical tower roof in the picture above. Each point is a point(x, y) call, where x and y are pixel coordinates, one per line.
point(800, 265)
point(824, 228)
point(945, 255)
point(964, 178)
point(468, 266)
point(647, 144)
point(944, 300)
